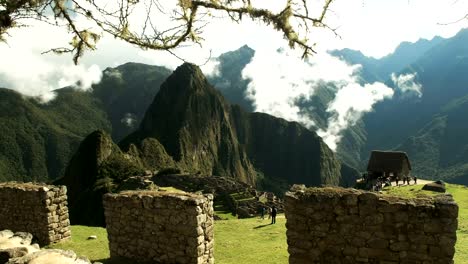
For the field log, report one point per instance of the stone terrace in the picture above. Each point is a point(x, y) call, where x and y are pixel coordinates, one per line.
point(335, 225)
point(160, 227)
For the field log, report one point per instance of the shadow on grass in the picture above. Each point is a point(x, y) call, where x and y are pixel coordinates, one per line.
point(261, 226)
point(121, 260)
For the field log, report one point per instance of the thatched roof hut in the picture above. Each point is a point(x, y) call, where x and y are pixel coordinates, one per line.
point(384, 163)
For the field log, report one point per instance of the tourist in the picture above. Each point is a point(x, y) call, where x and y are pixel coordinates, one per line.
point(273, 215)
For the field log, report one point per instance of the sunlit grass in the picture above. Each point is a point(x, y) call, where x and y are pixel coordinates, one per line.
point(94, 249)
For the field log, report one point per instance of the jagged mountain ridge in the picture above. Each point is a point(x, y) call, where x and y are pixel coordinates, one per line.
point(202, 132)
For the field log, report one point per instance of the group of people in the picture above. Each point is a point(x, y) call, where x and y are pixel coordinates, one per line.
point(272, 211)
point(384, 182)
point(407, 180)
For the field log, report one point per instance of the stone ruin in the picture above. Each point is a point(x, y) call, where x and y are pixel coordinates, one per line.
point(17, 248)
point(160, 227)
point(38, 209)
point(335, 225)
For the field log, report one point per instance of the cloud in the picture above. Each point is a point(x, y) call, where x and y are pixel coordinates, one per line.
point(278, 79)
point(25, 70)
point(129, 120)
point(113, 73)
point(351, 102)
point(406, 84)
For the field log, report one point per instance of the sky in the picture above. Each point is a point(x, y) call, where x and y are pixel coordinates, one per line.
point(375, 27)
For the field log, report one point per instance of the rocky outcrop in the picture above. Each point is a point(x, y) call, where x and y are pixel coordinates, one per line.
point(437, 186)
point(98, 167)
point(16, 248)
point(15, 245)
point(192, 121)
point(50, 256)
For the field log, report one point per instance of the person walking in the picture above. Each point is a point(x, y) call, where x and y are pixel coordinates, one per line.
point(273, 215)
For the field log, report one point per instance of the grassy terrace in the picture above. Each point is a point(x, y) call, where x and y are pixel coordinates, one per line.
point(254, 240)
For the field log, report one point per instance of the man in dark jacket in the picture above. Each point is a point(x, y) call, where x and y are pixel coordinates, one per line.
point(273, 215)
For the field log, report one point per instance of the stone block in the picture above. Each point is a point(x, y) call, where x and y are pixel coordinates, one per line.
point(349, 226)
point(166, 228)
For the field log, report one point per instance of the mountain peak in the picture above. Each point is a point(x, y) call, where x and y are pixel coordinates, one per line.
point(188, 69)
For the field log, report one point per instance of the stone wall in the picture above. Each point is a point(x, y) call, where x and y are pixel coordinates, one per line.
point(160, 227)
point(38, 209)
point(334, 225)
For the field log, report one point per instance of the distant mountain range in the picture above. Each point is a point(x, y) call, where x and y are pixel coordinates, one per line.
point(431, 127)
point(204, 131)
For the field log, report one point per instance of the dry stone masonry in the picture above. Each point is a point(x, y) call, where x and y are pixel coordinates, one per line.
point(38, 209)
point(335, 225)
point(159, 227)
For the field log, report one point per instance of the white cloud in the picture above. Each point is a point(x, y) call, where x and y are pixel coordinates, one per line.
point(129, 120)
point(25, 70)
point(406, 84)
point(351, 102)
point(279, 79)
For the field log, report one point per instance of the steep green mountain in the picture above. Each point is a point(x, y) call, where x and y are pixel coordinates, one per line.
point(203, 133)
point(233, 87)
point(441, 72)
point(97, 167)
point(126, 92)
point(380, 69)
point(382, 128)
point(431, 127)
point(229, 79)
point(440, 149)
point(37, 140)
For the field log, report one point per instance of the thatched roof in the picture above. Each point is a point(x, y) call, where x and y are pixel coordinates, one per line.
point(388, 161)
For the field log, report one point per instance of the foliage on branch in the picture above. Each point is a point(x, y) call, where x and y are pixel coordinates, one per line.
point(150, 24)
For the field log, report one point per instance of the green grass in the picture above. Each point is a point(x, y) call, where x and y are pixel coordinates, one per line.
point(95, 249)
point(223, 211)
point(256, 241)
point(460, 194)
point(236, 241)
point(409, 191)
point(251, 241)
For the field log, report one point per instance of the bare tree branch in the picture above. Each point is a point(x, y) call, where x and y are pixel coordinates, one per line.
point(186, 20)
